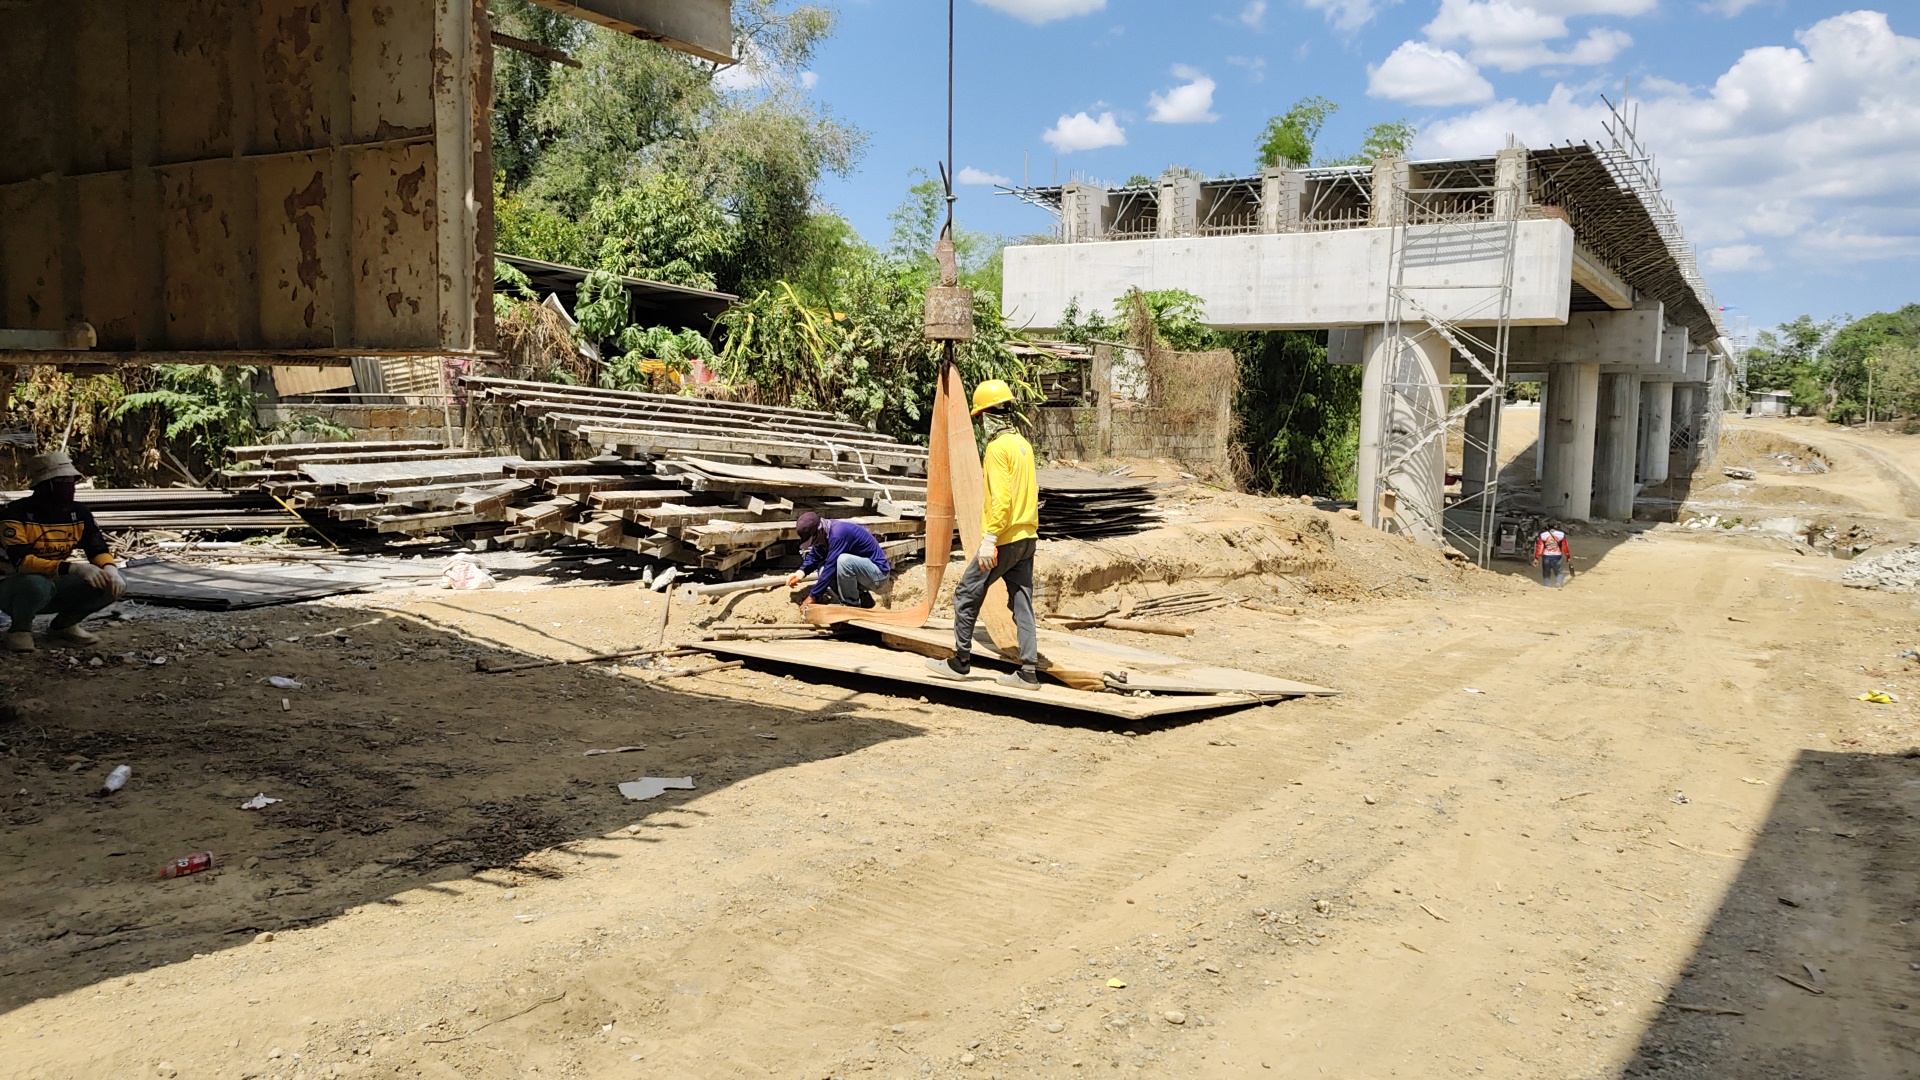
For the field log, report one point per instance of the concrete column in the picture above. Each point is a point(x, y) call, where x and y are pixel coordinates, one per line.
point(1683, 405)
point(1540, 436)
point(1616, 447)
point(1656, 430)
point(1477, 451)
point(1573, 394)
point(1100, 373)
point(1179, 206)
point(1391, 178)
point(1392, 424)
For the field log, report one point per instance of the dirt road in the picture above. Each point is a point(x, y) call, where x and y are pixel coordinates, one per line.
point(1641, 825)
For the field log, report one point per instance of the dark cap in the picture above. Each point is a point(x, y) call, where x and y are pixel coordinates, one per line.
point(809, 528)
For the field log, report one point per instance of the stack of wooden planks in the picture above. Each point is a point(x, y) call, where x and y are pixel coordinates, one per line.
point(656, 475)
point(1077, 505)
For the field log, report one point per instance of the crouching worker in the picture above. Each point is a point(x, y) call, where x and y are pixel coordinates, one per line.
point(40, 533)
point(1010, 527)
point(850, 562)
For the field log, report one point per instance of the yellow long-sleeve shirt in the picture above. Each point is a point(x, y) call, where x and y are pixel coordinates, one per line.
point(1013, 489)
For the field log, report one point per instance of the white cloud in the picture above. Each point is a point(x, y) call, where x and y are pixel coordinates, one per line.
point(809, 79)
point(1256, 66)
point(1738, 257)
point(1254, 14)
point(1348, 15)
point(1423, 74)
point(971, 175)
point(1083, 132)
point(1045, 11)
point(1512, 35)
point(1729, 8)
point(1189, 103)
point(1810, 153)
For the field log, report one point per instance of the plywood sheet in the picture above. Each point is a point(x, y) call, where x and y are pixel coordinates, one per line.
point(854, 658)
point(1085, 662)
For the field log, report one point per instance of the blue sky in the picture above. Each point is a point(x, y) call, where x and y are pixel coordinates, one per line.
point(1788, 132)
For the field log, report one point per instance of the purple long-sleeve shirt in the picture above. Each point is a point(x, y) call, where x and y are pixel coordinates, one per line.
point(842, 538)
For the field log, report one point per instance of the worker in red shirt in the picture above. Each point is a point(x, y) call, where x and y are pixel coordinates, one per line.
point(1552, 555)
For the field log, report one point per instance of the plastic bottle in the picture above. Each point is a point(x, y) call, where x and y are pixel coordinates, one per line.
point(116, 779)
point(188, 864)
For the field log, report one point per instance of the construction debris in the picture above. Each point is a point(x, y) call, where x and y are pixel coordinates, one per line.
point(1895, 571)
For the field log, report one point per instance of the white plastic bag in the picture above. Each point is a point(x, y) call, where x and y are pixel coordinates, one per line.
point(464, 573)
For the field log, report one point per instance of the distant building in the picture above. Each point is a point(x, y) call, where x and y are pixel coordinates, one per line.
point(1771, 403)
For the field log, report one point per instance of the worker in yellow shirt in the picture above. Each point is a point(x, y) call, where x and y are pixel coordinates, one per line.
point(1010, 528)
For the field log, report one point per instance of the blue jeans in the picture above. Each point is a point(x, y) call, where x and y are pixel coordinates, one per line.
point(855, 576)
point(1553, 571)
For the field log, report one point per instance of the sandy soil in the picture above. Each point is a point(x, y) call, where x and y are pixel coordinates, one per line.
point(1639, 826)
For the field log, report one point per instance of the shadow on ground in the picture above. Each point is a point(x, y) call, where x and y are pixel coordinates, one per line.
point(1811, 968)
point(400, 766)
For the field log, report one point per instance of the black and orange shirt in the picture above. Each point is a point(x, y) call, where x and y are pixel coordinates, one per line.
point(39, 537)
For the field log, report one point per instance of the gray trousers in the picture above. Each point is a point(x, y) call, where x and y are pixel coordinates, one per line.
point(1016, 569)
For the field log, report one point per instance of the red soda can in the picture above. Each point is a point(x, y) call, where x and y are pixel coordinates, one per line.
point(187, 864)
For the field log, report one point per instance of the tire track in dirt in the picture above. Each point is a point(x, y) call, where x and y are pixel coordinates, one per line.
point(1109, 839)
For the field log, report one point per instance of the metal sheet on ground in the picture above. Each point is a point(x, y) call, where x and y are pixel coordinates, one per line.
point(873, 661)
point(223, 588)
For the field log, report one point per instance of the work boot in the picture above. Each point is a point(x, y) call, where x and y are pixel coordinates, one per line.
point(74, 635)
point(21, 641)
point(1021, 680)
point(946, 669)
point(866, 600)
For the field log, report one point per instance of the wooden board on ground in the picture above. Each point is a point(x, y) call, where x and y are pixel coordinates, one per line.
point(874, 661)
point(372, 477)
point(1084, 663)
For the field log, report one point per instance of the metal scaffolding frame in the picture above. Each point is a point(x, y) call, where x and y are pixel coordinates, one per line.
point(1441, 223)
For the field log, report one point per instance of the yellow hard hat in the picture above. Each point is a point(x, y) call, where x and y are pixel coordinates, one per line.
point(990, 393)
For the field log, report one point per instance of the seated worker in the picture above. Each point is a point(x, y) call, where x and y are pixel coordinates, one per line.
point(39, 533)
point(849, 559)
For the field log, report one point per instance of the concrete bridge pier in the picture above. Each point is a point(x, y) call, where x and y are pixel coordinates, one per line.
point(1473, 465)
point(1616, 446)
point(1572, 401)
point(1415, 367)
point(1656, 430)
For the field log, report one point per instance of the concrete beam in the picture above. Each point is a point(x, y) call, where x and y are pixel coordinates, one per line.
point(1287, 281)
point(1566, 486)
point(1616, 450)
point(1599, 279)
point(703, 28)
point(1625, 340)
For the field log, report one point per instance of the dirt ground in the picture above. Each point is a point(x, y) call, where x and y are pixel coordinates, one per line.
point(1641, 826)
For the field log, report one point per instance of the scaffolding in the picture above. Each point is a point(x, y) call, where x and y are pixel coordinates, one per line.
point(1450, 282)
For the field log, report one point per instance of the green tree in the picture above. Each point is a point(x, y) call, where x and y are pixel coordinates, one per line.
point(727, 168)
point(1393, 138)
point(1859, 351)
point(1790, 359)
point(1288, 138)
point(1298, 415)
point(520, 83)
point(662, 229)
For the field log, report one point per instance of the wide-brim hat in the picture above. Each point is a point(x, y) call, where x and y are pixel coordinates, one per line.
point(49, 466)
